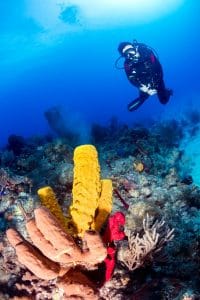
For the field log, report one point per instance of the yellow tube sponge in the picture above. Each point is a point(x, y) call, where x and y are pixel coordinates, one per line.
point(86, 187)
point(104, 205)
point(48, 199)
point(91, 196)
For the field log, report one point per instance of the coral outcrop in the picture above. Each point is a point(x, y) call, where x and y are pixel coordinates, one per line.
point(53, 252)
point(134, 267)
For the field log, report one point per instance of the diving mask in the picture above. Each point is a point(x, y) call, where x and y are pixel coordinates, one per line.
point(132, 54)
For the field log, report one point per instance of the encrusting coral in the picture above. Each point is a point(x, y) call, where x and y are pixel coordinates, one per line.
point(136, 214)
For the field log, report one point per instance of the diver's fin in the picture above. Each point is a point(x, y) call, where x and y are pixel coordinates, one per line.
point(135, 104)
point(164, 95)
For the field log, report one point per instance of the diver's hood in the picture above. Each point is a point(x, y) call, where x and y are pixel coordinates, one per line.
point(124, 46)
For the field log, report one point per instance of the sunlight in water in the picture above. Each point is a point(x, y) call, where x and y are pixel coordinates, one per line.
point(135, 10)
point(55, 13)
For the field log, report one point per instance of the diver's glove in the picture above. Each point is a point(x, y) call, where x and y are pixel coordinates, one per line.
point(147, 89)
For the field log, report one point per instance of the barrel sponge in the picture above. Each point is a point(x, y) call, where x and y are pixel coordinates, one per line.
point(86, 187)
point(48, 199)
point(104, 204)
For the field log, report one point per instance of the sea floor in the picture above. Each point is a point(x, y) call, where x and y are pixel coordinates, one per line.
point(155, 186)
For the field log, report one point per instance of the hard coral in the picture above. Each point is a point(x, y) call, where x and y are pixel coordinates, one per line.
point(136, 214)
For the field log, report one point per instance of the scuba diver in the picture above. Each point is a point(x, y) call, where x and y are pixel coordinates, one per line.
point(144, 71)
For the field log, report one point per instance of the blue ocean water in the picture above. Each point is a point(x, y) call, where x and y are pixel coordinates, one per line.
point(57, 79)
point(64, 56)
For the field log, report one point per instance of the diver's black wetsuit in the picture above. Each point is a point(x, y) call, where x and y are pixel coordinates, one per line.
point(145, 72)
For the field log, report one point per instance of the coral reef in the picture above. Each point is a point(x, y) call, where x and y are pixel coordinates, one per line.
point(87, 185)
point(143, 248)
point(162, 188)
point(16, 144)
point(58, 251)
point(136, 214)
